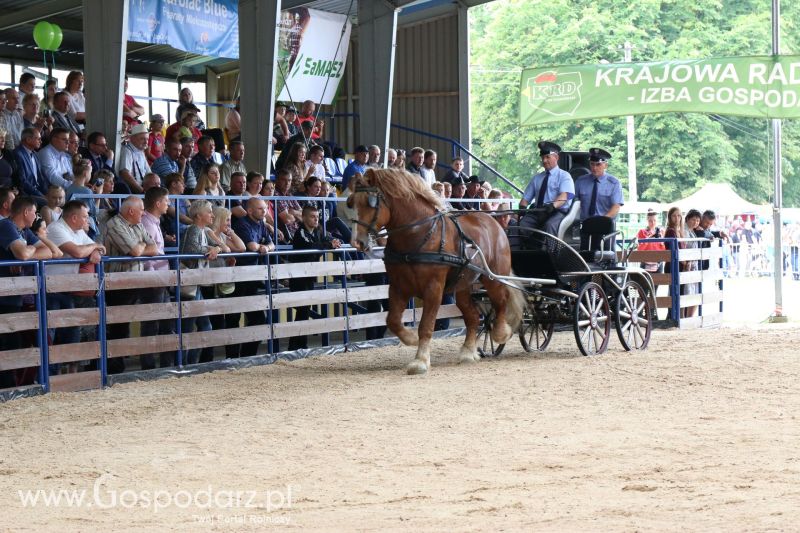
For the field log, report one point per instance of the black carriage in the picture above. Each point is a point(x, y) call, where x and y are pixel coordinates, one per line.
point(584, 289)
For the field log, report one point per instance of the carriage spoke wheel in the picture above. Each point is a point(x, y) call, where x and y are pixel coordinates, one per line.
point(633, 317)
point(535, 335)
point(592, 322)
point(486, 345)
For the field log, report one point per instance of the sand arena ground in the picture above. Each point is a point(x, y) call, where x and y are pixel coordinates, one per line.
point(700, 432)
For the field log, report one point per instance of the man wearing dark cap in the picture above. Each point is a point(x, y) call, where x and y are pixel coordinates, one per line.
point(600, 193)
point(459, 187)
point(357, 166)
point(551, 190)
point(473, 193)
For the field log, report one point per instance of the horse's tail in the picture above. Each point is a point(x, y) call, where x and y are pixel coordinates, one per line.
point(515, 307)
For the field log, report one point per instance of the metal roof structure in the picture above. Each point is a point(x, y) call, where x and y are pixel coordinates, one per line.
point(18, 17)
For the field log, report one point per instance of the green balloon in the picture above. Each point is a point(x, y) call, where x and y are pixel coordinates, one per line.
point(58, 36)
point(43, 34)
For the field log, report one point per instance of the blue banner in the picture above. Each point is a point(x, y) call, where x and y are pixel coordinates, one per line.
point(203, 27)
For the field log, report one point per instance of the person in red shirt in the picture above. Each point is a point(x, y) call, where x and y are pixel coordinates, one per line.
point(652, 231)
point(155, 142)
point(307, 113)
point(188, 121)
point(131, 110)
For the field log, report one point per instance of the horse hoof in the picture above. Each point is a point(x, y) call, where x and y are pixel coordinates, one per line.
point(416, 368)
point(468, 357)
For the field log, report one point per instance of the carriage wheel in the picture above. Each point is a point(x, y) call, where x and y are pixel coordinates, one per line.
point(633, 317)
point(534, 335)
point(486, 345)
point(592, 323)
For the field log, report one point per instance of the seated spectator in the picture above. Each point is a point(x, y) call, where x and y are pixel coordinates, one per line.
point(238, 188)
point(455, 171)
point(77, 101)
point(82, 184)
point(97, 152)
point(11, 119)
point(391, 157)
point(268, 189)
point(235, 163)
point(131, 110)
point(155, 140)
point(104, 204)
point(304, 137)
point(171, 161)
point(400, 161)
point(186, 102)
point(61, 117)
point(448, 189)
point(31, 181)
point(458, 190)
point(296, 166)
point(289, 211)
point(415, 159)
point(17, 242)
point(208, 183)
point(253, 232)
point(357, 166)
point(374, 159)
point(280, 128)
point(69, 234)
point(326, 209)
point(48, 95)
point(307, 114)
point(56, 198)
point(473, 192)
point(504, 217)
point(8, 164)
point(150, 180)
point(494, 194)
point(292, 123)
point(204, 155)
point(54, 161)
point(27, 86)
point(315, 163)
point(7, 198)
point(31, 118)
point(175, 222)
point(39, 227)
point(73, 145)
point(125, 236)
point(652, 231)
point(185, 127)
point(133, 165)
point(233, 123)
point(428, 169)
point(308, 236)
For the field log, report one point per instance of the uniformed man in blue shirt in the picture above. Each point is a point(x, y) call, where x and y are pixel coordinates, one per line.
point(600, 193)
point(551, 191)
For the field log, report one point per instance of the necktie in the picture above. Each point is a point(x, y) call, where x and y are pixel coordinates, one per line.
point(593, 201)
point(542, 189)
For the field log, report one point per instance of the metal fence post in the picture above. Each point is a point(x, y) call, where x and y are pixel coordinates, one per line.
point(675, 286)
point(42, 336)
point(179, 325)
point(271, 343)
point(101, 328)
point(346, 339)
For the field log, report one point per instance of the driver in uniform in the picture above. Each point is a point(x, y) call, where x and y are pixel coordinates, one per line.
point(550, 191)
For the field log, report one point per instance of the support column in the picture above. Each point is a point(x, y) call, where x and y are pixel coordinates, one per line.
point(377, 39)
point(258, 35)
point(104, 66)
point(464, 118)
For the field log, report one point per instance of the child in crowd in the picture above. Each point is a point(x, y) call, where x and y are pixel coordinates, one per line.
point(55, 201)
point(155, 142)
point(309, 236)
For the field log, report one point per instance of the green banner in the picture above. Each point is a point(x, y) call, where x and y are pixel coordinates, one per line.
point(757, 86)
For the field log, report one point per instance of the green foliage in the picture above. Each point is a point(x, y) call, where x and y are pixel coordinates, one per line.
point(675, 153)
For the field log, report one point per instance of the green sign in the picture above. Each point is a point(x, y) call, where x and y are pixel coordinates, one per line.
point(757, 86)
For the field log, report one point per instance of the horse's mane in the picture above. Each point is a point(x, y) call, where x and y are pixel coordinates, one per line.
point(399, 184)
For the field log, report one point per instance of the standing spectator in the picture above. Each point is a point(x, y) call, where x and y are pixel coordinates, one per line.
point(692, 222)
point(186, 102)
point(235, 163)
point(652, 231)
point(133, 163)
point(27, 85)
point(307, 114)
point(253, 233)
point(55, 201)
point(31, 179)
point(357, 166)
point(309, 236)
point(185, 127)
point(280, 129)
point(233, 123)
point(125, 236)
point(97, 152)
point(77, 101)
point(428, 169)
point(48, 93)
point(131, 110)
point(289, 211)
point(156, 203)
point(155, 140)
point(17, 242)
point(54, 161)
point(31, 117)
point(11, 119)
point(61, 117)
point(69, 234)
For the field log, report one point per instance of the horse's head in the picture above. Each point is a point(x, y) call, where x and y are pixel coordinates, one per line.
point(371, 209)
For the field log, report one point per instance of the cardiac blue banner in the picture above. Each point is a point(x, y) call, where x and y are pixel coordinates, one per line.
point(204, 27)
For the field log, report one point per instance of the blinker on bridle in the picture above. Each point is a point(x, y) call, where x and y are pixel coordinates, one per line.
point(374, 196)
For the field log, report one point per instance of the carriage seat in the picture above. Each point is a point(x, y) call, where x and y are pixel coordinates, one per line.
point(597, 240)
point(569, 219)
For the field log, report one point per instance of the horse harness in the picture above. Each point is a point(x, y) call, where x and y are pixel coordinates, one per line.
point(437, 221)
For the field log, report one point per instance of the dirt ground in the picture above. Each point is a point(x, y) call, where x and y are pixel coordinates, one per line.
point(699, 432)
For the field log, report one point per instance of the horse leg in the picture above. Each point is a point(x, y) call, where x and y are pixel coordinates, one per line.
point(394, 318)
point(431, 302)
point(472, 318)
point(498, 294)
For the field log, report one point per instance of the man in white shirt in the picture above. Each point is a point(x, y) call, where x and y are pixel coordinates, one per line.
point(11, 119)
point(427, 171)
point(132, 160)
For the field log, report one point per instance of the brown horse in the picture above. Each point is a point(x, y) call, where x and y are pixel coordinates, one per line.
point(427, 253)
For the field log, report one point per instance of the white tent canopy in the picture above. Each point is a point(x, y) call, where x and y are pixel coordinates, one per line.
point(722, 199)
